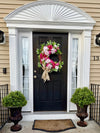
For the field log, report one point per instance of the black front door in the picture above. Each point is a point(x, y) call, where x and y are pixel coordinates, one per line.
point(51, 95)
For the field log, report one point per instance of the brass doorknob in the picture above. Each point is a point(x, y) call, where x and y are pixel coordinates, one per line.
point(34, 71)
point(35, 76)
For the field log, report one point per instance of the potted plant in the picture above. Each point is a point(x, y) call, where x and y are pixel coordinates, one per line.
point(82, 97)
point(15, 101)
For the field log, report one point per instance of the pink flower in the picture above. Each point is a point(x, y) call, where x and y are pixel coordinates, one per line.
point(45, 56)
point(53, 64)
point(57, 47)
point(41, 56)
point(49, 66)
point(50, 47)
point(57, 64)
point(40, 61)
point(55, 50)
point(49, 52)
point(51, 61)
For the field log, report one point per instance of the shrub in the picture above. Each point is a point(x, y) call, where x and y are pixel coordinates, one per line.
point(14, 99)
point(83, 96)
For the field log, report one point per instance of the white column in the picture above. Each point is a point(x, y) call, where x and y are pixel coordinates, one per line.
point(69, 75)
point(13, 53)
point(85, 58)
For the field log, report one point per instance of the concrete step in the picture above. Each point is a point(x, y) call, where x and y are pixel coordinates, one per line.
point(48, 116)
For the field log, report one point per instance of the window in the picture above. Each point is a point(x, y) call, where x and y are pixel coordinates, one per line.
point(25, 66)
point(25, 56)
point(74, 77)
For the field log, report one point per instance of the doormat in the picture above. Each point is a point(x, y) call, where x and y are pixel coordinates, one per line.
point(53, 125)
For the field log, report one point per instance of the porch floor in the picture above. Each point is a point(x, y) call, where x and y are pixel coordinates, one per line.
point(27, 128)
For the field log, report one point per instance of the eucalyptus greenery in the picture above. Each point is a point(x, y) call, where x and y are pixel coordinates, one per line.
point(83, 96)
point(14, 99)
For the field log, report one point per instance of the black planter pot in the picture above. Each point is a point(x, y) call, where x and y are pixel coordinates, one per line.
point(15, 118)
point(82, 114)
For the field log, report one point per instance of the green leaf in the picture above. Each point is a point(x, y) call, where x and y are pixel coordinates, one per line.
point(14, 99)
point(38, 51)
point(42, 45)
point(55, 70)
point(59, 52)
point(39, 65)
point(83, 96)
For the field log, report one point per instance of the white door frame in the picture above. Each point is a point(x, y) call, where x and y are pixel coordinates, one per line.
point(14, 57)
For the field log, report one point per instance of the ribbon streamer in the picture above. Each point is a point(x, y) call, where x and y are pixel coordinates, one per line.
point(45, 75)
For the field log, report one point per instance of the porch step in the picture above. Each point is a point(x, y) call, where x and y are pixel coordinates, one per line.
point(48, 116)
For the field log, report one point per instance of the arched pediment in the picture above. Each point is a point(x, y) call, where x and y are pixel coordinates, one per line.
point(49, 11)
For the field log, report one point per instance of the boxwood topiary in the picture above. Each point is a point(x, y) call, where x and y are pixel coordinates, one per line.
point(83, 96)
point(14, 99)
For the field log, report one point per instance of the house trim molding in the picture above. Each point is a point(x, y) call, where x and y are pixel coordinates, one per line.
point(49, 13)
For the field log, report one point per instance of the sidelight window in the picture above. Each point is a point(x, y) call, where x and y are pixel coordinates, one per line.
point(74, 76)
point(25, 66)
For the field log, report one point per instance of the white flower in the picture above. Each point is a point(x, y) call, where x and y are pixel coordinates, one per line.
point(47, 53)
point(53, 50)
point(49, 66)
point(55, 46)
point(57, 67)
point(42, 59)
point(45, 48)
point(47, 61)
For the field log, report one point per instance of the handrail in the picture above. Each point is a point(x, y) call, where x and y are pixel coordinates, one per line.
point(4, 112)
point(95, 107)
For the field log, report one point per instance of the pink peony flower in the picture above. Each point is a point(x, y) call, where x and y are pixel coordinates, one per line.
point(51, 61)
point(40, 61)
point(49, 52)
point(57, 47)
point(57, 64)
point(44, 56)
point(55, 50)
point(53, 64)
point(41, 56)
point(50, 47)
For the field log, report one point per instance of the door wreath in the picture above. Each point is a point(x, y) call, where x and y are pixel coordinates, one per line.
point(47, 64)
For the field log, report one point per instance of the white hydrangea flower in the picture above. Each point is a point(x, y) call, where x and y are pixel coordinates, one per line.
point(57, 67)
point(45, 48)
point(47, 61)
point(49, 66)
point(42, 59)
point(53, 50)
point(55, 46)
point(47, 53)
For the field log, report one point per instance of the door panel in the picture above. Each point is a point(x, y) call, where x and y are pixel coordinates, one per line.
point(51, 95)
